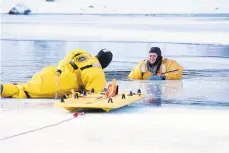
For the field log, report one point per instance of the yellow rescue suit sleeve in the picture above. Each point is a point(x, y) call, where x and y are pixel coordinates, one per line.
point(172, 65)
point(43, 83)
point(137, 73)
point(94, 77)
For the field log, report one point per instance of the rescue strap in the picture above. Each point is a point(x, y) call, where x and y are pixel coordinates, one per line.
point(27, 94)
point(75, 67)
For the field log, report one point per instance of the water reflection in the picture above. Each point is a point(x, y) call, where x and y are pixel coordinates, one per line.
point(49, 53)
point(21, 59)
point(160, 90)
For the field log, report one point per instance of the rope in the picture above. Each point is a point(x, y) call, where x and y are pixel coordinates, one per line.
point(44, 127)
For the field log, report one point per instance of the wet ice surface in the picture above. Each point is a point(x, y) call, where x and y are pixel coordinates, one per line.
point(176, 116)
point(29, 57)
point(208, 92)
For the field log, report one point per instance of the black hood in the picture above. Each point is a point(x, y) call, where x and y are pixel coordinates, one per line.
point(105, 57)
point(156, 50)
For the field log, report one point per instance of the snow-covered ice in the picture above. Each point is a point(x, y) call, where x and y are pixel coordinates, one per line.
point(137, 130)
point(72, 33)
point(37, 126)
point(122, 7)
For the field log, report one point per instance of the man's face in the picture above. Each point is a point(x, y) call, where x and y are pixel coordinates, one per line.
point(152, 58)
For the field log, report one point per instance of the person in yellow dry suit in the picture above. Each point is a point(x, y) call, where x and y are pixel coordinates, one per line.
point(78, 69)
point(156, 68)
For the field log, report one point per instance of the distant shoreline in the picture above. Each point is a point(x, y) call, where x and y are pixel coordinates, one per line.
point(131, 14)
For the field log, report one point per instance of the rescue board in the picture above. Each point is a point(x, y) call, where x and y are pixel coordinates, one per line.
point(106, 101)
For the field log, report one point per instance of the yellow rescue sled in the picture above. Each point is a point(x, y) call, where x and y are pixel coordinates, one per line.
point(107, 101)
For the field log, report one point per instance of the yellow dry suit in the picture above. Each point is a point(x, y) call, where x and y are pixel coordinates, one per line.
point(78, 68)
point(170, 68)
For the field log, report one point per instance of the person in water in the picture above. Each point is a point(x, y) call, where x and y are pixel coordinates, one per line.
point(78, 69)
point(156, 68)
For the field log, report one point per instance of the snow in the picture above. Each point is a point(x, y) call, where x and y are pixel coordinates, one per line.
point(121, 7)
point(143, 130)
point(34, 125)
point(206, 32)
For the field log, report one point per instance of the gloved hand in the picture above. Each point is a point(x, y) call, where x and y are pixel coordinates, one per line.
point(155, 77)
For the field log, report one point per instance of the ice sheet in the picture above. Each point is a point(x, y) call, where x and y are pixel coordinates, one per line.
point(72, 33)
point(119, 6)
point(147, 129)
